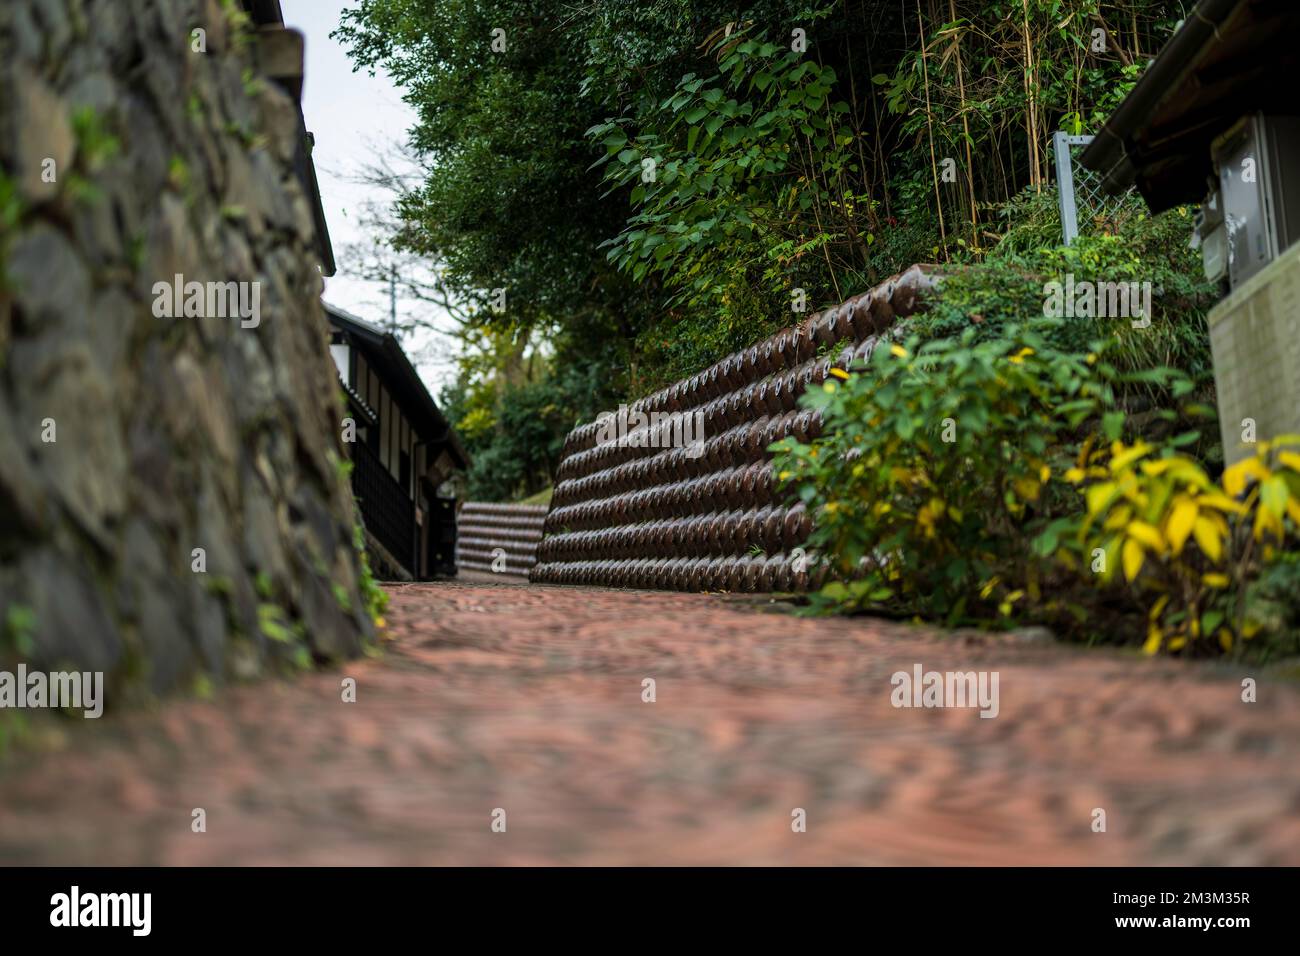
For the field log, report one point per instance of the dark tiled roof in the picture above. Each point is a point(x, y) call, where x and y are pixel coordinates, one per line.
point(1230, 58)
point(385, 355)
point(281, 52)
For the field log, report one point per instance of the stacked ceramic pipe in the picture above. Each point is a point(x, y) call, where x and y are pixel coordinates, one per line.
point(497, 538)
point(677, 490)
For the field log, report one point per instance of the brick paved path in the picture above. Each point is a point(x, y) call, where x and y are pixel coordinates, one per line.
point(529, 699)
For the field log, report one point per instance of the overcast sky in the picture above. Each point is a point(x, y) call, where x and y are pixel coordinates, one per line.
point(352, 114)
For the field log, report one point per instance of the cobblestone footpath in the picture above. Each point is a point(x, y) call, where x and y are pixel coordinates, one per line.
point(529, 699)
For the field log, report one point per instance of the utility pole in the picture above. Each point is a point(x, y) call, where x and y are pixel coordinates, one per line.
point(392, 296)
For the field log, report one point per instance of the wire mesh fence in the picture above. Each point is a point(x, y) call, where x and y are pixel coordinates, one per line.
point(1085, 206)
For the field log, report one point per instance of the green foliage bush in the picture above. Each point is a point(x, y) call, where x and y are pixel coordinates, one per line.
point(933, 479)
point(1203, 559)
point(699, 168)
point(944, 466)
point(984, 478)
point(1008, 286)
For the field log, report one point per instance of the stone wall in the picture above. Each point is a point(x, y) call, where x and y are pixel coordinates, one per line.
point(128, 441)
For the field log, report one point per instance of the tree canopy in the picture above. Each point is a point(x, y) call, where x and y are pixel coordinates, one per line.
point(654, 184)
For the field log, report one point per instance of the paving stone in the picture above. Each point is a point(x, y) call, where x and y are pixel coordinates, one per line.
point(529, 699)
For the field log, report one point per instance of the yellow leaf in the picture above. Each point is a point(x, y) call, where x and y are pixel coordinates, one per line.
point(1044, 473)
point(1113, 548)
point(1290, 459)
point(1207, 536)
point(1182, 469)
point(1026, 489)
point(1274, 495)
point(1180, 523)
point(1085, 450)
point(1158, 467)
point(1118, 518)
point(1222, 502)
point(1132, 557)
point(1074, 475)
point(1293, 509)
point(1266, 521)
point(1100, 496)
point(1147, 534)
point(1177, 643)
point(1225, 639)
point(1122, 459)
point(1234, 476)
point(1154, 637)
point(898, 351)
point(1154, 613)
point(839, 373)
point(1215, 579)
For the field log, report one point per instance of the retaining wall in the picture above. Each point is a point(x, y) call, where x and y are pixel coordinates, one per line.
point(486, 532)
point(629, 512)
point(163, 480)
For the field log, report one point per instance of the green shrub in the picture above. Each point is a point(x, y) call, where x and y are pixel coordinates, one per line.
point(1008, 286)
point(722, 199)
point(946, 482)
point(1205, 560)
point(935, 467)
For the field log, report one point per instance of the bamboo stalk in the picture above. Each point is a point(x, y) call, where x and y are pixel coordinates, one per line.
point(877, 145)
point(965, 126)
point(929, 123)
point(817, 217)
point(1031, 112)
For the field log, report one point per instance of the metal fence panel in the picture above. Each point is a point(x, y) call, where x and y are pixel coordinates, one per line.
point(1078, 189)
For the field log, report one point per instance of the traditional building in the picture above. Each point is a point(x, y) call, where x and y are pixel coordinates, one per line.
point(404, 455)
point(405, 451)
point(1214, 121)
